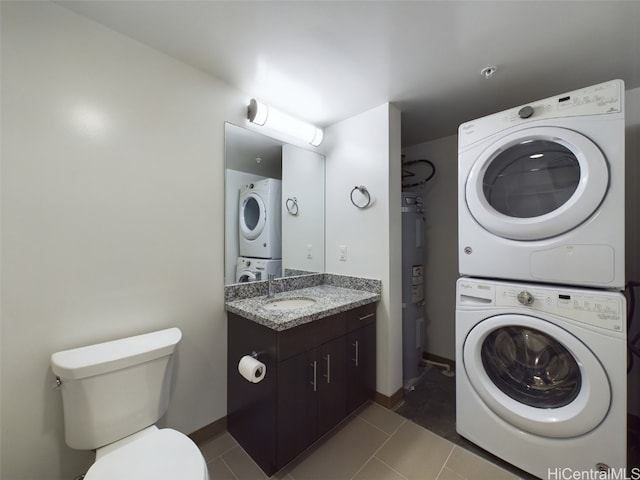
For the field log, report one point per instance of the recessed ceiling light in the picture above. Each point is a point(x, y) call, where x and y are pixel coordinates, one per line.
point(488, 72)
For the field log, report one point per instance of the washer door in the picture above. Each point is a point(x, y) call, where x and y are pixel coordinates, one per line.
point(247, 276)
point(536, 376)
point(253, 216)
point(537, 183)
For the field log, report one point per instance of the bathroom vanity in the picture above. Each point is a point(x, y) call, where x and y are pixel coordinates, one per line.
point(320, 366)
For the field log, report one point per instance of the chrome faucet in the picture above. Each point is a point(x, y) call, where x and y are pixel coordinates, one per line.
point(271, 287)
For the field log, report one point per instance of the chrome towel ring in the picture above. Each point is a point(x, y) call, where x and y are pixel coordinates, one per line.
point(363, 190)
point(292, 206)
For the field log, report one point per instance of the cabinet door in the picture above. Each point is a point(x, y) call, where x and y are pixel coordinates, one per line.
point(332, 384)
point(297, 405)
point(361, 344)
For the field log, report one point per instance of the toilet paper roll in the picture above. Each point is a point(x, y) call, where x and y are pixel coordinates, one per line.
point(251, 369)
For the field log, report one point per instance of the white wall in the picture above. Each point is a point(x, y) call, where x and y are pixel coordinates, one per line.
point(441, 242)
point(303, 233)
point(365, 150)
point(112, 220)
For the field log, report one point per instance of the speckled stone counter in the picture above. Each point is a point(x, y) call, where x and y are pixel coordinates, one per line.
point(330, 300)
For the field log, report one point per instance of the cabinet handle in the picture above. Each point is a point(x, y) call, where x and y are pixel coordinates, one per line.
point(356, 360)
point(328, 375)
point(367, 316)
point(315, 369)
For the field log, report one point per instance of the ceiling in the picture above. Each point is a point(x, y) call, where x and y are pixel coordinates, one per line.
point(325, 61)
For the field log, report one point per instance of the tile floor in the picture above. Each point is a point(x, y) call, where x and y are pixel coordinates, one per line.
point(438, 392)
point(373, 444)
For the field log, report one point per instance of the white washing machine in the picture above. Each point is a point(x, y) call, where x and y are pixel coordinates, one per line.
point(260, 219)
point(541, 375)
point(541, 191)
point(256, 269)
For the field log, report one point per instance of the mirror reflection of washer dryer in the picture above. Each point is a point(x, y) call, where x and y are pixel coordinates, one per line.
point(260, 219)
point(541, 191)
point(256, 269)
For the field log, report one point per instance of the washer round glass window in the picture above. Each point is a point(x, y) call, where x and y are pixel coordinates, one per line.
point(531, 367)
point(531, 178)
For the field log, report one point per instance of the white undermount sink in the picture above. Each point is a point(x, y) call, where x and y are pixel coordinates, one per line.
point(289, 303)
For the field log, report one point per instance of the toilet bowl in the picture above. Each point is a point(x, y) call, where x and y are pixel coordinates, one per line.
point(113, 393)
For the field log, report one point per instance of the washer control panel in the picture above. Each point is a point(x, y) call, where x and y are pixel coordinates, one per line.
point(597, 309)
point(601, 309)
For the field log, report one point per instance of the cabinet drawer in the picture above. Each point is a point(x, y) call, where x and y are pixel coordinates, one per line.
point(305, 337)
point(361, 316)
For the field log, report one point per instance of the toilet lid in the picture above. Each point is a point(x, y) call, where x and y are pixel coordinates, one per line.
point(165, 454)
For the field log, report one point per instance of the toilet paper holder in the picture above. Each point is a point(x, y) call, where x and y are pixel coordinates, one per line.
point(252, 369)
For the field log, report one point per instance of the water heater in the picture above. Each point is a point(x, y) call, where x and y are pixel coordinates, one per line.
point(412, 287)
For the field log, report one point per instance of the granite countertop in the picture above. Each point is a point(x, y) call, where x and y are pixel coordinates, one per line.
point(329, 299)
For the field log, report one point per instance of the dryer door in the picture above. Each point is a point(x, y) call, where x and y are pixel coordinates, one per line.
point(536, 376)
point(253, 216)
point(537, 183)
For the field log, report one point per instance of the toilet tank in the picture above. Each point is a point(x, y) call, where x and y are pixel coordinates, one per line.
point(113, 389)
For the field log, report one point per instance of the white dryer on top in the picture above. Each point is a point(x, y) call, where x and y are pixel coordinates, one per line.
point(541, 191)
point(260, 219)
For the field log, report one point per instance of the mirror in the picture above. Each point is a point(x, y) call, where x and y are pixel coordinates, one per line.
point(274, 207)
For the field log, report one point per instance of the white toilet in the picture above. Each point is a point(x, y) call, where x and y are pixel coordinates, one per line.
point(112, 395)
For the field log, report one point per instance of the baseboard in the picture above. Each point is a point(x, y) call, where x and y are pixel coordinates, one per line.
point(206, 433)
point(437, 358)
point(389, 402)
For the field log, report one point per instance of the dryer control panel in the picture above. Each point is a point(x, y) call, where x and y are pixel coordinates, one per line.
point(601, 309)
point(601, 99)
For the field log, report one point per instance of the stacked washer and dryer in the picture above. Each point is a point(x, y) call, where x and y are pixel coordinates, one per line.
point(540, 317)
point(260, 231)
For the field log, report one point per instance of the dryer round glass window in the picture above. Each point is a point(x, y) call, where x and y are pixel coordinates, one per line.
point(253, 215)
point(531, 179)
point(536, 183)
point(531, 367)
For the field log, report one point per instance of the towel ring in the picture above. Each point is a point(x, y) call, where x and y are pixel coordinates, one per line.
point(363, 190)
point(292, 206)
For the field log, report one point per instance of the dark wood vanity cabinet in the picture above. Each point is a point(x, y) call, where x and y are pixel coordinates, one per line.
point(361, 348)
point(317, 373)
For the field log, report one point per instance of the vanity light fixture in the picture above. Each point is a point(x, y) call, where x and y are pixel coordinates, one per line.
point(269, 117)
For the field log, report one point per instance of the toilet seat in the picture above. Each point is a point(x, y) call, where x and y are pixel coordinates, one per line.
point(161, 454)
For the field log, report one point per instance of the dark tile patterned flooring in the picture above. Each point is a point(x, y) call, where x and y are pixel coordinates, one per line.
point(432, 405)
